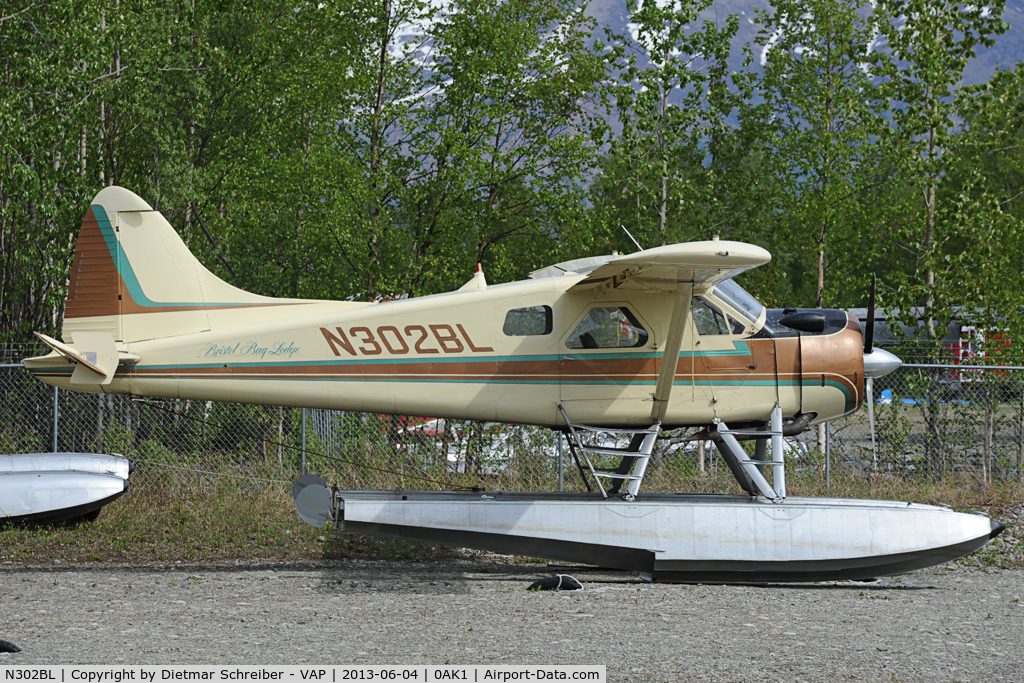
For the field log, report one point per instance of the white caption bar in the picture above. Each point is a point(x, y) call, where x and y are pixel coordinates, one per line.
point(296, 674)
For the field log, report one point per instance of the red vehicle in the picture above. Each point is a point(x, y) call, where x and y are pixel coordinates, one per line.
point(978, 347)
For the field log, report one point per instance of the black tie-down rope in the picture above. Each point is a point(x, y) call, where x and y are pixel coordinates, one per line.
point(171, 411)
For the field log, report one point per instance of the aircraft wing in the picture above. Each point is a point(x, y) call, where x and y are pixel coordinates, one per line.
point(662, 268)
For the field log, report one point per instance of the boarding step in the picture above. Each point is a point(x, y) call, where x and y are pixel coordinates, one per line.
point(632, 466)
point(607, 451)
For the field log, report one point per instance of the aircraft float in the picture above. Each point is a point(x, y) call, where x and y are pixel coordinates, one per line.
point(631, 345)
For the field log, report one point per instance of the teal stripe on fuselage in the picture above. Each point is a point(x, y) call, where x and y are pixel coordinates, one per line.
point(835, 385)
point(127, 273)
point(740, 348)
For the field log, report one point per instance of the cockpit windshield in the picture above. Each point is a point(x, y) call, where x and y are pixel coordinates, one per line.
point(738, 299)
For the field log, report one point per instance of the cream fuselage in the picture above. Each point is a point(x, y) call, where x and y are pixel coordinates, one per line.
point(447, 356)
point(144, 317)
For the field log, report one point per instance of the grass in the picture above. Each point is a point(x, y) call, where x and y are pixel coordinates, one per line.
point(220, 523)
point(147, 527)
point(958, 491)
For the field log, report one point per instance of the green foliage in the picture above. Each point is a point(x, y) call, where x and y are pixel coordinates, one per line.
point(48, 75)
point(348, 148)
point(362, 148)
point(819, 117)
point(952, 246)
point(664, 175)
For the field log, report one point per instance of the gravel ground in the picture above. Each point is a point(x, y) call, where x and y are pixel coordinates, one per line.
point(946, 624)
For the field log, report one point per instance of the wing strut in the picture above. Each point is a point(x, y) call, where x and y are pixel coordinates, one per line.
point(673, 343)
point(743, 467)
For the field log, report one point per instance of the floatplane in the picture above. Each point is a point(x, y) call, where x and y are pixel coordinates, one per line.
point(631, 345)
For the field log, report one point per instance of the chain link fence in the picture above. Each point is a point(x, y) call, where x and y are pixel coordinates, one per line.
point(932, 421)
point(937, 420)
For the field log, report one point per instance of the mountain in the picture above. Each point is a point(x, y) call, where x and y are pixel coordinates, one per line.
point(1008, 50)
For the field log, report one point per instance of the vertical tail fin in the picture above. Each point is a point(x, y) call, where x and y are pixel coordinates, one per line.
point(134, 278)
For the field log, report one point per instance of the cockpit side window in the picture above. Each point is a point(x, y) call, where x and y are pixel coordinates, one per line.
point(608, 328)
point(726, 309)
point(731, 294)
point(708, 319)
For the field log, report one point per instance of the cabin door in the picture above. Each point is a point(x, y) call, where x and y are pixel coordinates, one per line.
point(726, 375)
point(607, 366)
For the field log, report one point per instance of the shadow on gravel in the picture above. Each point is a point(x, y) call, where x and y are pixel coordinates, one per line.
point(224, 567)
point(454, 573)
point(341, 546)
point(842, 586)
point(349, 558)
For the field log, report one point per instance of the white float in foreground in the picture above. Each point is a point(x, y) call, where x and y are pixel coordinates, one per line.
point(677, 537)
point(53, 487)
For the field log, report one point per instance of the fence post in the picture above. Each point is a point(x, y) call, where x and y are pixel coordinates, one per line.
point(871, 421)
point(1020, 435)
point(559, 460)
point(55, 413)
point(828, 456)
point(302, 466)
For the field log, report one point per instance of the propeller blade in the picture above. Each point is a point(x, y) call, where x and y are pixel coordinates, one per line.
point(869, 324)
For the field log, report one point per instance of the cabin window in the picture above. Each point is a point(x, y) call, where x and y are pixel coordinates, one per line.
point(526, 322)
point(710, 321)
point(608, 328)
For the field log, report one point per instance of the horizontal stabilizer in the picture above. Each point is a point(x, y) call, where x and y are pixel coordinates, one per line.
point(95, 353)
point(69, 352)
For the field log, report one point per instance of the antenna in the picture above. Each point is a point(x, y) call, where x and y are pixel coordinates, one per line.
point(631, 237)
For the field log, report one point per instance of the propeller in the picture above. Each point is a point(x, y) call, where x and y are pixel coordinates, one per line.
point(869, 324)
point(877, 362)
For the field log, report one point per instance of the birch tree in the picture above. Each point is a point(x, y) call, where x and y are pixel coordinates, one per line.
point(929, 44)
point(822, 118)
point(677, 94)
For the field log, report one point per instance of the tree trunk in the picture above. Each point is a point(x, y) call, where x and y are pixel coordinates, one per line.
point(98, 438)
point(663, 204)
point(821, 265)
point(929, 234)
point(932, 411)
point(373, 209)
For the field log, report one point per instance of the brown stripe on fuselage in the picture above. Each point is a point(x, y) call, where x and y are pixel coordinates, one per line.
point(839, 354)
point(761, 359)
point(584, 368)
point(482, 369)
point(581, 368)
